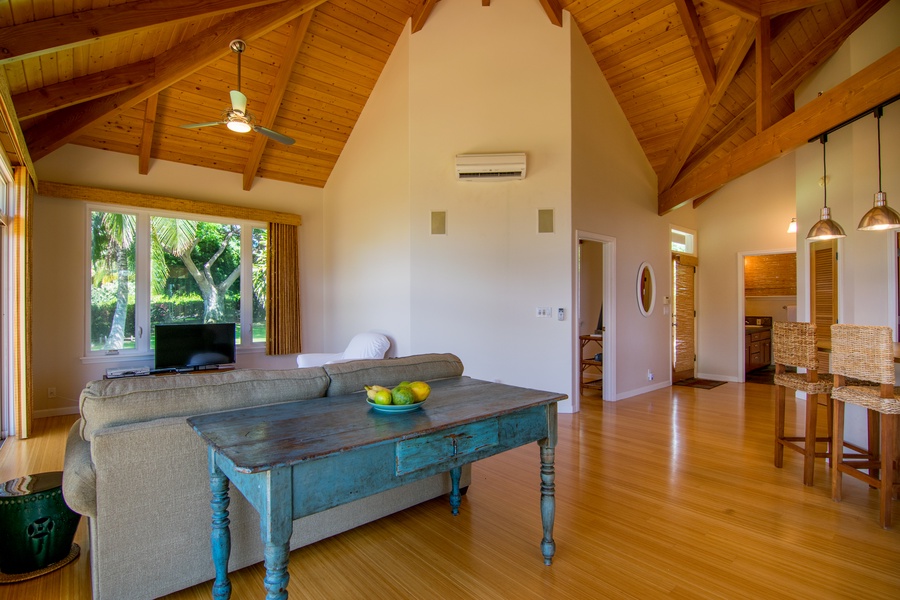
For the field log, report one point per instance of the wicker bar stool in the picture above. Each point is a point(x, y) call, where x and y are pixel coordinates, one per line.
point(794, 344)
point(866, 352)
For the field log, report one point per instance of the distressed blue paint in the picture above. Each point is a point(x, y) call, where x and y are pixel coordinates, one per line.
point(455, 496)
point(298, 458)
point(220, 538)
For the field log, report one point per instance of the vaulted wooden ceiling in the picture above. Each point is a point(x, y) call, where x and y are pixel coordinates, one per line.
point(707, 86)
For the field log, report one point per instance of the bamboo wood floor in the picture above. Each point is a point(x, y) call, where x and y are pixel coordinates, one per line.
point(671, 494)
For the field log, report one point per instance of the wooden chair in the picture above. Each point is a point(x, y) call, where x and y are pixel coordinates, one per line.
point(794, 344)
point(866, 352)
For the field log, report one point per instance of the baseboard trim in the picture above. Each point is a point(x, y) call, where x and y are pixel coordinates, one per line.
point(55, 412)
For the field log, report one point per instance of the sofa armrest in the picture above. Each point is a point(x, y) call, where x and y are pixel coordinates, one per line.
point(79, 484)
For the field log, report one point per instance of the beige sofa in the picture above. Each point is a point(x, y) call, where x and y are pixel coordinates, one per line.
point(136, 469)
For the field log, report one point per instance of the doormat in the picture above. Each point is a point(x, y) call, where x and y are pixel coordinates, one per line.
point(705, 384)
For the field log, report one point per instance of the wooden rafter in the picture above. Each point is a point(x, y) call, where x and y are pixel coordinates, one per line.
point(147, 134)
point(56, 33)
point(172, 65)
point(763, 74)
point(705, 62)
point(12, 139)
point(81, 89)
point(288, 57)
point(421, 15)
point(786, 83)
point(869, 87)
point(748, 9)
point(729, 64)
point(771, 8)
point(553, 10)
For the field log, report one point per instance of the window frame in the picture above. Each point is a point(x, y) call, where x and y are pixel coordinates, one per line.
point(142, 350)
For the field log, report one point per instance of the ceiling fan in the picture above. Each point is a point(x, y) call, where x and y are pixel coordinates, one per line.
point(237, 118)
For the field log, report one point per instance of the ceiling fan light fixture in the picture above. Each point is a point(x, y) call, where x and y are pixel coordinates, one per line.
point(239, 126)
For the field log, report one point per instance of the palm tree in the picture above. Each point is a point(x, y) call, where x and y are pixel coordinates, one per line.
point(120, 230)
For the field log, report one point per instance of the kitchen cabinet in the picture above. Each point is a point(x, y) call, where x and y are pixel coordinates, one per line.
point(758, 353)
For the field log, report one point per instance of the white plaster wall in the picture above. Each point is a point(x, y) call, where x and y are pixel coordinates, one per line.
point(367, 219)
point(492, 79)
point(614, 195)
point(60, 238)
point(750, 215)
point(867, 271)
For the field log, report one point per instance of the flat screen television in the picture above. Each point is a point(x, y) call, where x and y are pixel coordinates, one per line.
point(195, 346)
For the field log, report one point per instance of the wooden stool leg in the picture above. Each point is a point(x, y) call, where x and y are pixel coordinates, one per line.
point(779, 425)
point(809, 449)
point(837, 449)
point(888, 446)
point(874, 439)
point(829, 410)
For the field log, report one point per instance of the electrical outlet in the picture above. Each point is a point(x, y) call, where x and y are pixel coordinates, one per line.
point(51, 392)
point(543, 312)
point(649, 375)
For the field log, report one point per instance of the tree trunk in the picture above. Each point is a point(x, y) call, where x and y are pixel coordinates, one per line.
point(116, 338)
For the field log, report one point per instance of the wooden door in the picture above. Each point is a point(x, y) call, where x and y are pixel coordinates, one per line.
point(823, 296)
point(684, 316)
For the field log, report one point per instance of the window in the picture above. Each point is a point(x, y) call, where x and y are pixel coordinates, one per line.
point(683, 241)
point(150, 268)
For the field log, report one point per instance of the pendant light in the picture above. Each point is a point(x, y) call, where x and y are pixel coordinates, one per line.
point(825, 228)
point(881, 216)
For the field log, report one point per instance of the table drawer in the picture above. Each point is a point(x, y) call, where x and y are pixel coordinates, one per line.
point(450, 445)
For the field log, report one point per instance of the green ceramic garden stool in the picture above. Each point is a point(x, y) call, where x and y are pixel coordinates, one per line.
point(37, 527)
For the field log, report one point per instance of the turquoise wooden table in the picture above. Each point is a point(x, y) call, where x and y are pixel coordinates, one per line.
point(298, 458)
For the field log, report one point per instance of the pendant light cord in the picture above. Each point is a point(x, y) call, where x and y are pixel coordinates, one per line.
point(878, 122)
point(824, 172)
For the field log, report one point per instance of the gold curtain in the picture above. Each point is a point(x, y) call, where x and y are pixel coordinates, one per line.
point(20, 225)
point(283, 326)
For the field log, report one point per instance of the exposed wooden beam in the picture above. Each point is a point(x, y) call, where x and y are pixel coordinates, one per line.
point(174, 64)
point(93, 194)
point(147, 134)
point(871, 86)
point(770, 8)
point(81, 89)
point(703, 198)
point(787, 82)
point(56, 33)
point(729, 64)
point(273, 104)
point(699, 44)
point(553, 10)
point(748, 9)
point(12, 140)
point(421, 15)
point(763, 74)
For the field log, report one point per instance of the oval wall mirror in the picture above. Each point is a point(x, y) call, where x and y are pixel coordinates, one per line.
point(646, 289)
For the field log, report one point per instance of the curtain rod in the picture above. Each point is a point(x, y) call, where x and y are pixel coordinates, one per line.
point(874, 109)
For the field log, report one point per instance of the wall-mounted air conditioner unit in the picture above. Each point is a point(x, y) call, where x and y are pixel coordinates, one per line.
point(490, 167)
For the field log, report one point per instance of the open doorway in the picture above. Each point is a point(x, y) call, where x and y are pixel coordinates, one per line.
point(768, 294)
point(596, 313)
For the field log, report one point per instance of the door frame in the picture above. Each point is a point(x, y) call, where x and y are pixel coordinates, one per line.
point(741, 341)
point(609, 318)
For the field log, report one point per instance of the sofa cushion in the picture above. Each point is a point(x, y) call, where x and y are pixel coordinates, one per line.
point(109, 402)
point(350, 377)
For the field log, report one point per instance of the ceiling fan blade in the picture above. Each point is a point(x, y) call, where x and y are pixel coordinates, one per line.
point(278, 137)
point(196, 125)
point(238, 102)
